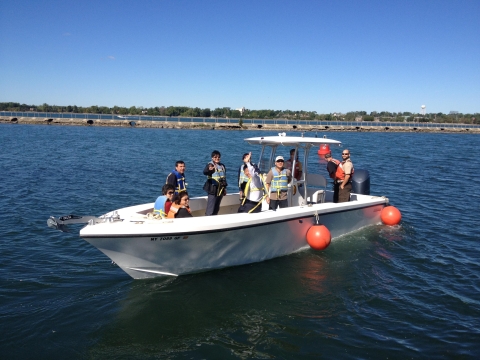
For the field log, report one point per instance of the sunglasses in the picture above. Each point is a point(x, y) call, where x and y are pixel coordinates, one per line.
point(280, 161)
point(345, 154)
point(170, 193)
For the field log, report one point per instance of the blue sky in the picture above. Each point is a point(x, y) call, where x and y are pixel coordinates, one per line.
point(324, 56)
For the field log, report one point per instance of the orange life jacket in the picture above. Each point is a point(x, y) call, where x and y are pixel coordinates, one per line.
point(174, 209)
point(340, 174)
point(336, 162)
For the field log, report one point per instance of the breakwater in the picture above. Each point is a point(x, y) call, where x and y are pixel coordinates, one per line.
point(234, 124)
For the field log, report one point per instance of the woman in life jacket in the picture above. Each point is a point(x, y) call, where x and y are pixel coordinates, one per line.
point(242, 178)
point(216, 184)
point(180, 207)
point(163, 202)
point(332, 165)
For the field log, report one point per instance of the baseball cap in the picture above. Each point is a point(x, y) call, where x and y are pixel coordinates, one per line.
point(279, 158)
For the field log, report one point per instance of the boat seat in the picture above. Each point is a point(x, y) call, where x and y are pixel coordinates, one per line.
point(198, 204)
point(317, 181)
point(318, 196)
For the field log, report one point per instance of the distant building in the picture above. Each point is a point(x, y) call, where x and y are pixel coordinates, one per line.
point(358, 118)
point(242, 110)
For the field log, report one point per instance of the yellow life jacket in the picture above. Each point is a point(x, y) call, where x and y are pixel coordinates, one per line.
point(279, 181)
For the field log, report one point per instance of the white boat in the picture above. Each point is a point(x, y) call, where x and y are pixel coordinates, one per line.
point(146, 247)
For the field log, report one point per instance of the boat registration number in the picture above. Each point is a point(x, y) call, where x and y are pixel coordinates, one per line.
point(163, 238)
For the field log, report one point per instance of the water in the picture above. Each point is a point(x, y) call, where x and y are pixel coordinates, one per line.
point(410, 291)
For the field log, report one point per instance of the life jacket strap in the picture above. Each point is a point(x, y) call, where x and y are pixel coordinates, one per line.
point(261, 200)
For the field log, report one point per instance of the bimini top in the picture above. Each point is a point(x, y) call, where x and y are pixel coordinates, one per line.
point(282, 139)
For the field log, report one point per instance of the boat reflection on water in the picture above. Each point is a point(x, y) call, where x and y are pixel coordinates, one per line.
point(241, 309)
point(166, 315)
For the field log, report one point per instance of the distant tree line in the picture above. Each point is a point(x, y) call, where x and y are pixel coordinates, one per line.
point(226, 112)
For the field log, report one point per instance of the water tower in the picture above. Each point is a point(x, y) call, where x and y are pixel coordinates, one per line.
point(423, 111)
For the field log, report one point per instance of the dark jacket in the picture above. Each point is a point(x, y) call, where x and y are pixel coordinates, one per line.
point(332, 169)
point(183, 213)
point(173, 180)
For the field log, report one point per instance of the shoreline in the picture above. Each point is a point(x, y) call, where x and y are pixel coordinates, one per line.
point(463, 128)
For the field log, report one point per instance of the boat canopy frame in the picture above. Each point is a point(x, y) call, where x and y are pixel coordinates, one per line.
point(305, 143)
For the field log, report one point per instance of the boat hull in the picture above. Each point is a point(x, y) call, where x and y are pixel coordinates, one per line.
point(175, 250)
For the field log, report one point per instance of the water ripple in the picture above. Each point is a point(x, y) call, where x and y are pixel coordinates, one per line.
point(409, 291)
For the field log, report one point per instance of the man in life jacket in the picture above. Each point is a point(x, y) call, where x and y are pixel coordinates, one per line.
point(276, 184)
point(343, 177)
point(163, 202)
point(297, 174)
point(177, 177)
point(332, 165)
point(216, 184)
point(253, 189)
point(180, 207)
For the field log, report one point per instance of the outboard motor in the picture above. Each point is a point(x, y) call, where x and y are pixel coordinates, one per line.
point(361, 182)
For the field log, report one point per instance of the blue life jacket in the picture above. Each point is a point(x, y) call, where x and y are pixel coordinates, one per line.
point(159, 207)
point(181, 185)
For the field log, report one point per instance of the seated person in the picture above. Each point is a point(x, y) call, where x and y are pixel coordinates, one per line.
point(180, 207)
point(163, 202)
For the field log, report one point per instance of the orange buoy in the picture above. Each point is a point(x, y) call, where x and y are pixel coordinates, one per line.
point(318, 237)
point(324, 149)
point(390, 215)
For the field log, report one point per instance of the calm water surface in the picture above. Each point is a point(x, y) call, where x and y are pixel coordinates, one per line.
point(411, 291)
